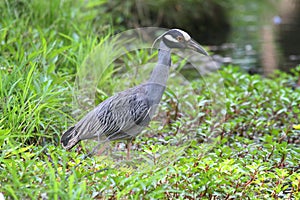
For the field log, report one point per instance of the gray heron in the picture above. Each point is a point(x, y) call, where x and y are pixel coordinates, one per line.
point(124, 115)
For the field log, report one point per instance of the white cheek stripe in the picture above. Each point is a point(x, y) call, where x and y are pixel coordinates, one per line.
point(185, 35)
point(170, 38)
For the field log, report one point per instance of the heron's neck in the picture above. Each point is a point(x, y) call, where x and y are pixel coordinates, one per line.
point(160, 73)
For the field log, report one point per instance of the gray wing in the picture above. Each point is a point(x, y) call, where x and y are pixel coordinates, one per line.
point(122, 116)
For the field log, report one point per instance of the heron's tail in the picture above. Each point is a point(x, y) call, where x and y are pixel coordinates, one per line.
point(70, 138)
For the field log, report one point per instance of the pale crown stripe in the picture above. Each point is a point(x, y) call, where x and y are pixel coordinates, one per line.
point(185, 35)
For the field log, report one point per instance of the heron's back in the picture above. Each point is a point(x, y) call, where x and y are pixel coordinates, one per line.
point(122, 116)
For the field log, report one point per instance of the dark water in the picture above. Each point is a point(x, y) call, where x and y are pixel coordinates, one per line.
point(263, 45)
point(288, 38)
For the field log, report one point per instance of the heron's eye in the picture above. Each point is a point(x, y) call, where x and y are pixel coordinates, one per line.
point(180, 38)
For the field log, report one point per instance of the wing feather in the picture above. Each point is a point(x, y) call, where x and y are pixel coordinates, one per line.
point(119, 117)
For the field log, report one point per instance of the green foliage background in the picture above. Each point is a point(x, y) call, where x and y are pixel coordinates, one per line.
point(255, 153)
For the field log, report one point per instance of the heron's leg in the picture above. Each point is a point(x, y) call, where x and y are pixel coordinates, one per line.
point(128, 145)
point(102, 149)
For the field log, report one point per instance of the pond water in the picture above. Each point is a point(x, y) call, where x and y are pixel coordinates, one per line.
point(261, 43)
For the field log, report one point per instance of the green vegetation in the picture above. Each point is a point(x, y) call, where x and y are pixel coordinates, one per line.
point(252, 152)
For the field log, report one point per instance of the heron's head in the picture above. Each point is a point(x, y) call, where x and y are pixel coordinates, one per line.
point(176, 38)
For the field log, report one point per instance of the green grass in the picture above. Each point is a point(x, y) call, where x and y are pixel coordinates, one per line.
point(253, 152)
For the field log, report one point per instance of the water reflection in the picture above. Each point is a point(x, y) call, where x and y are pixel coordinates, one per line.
point(289, 36)
point(261, 43)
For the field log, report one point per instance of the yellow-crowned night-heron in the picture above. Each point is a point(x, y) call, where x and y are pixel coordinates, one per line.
point(126, 114)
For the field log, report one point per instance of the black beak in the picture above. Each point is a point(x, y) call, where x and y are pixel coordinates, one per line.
point(196, 47)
